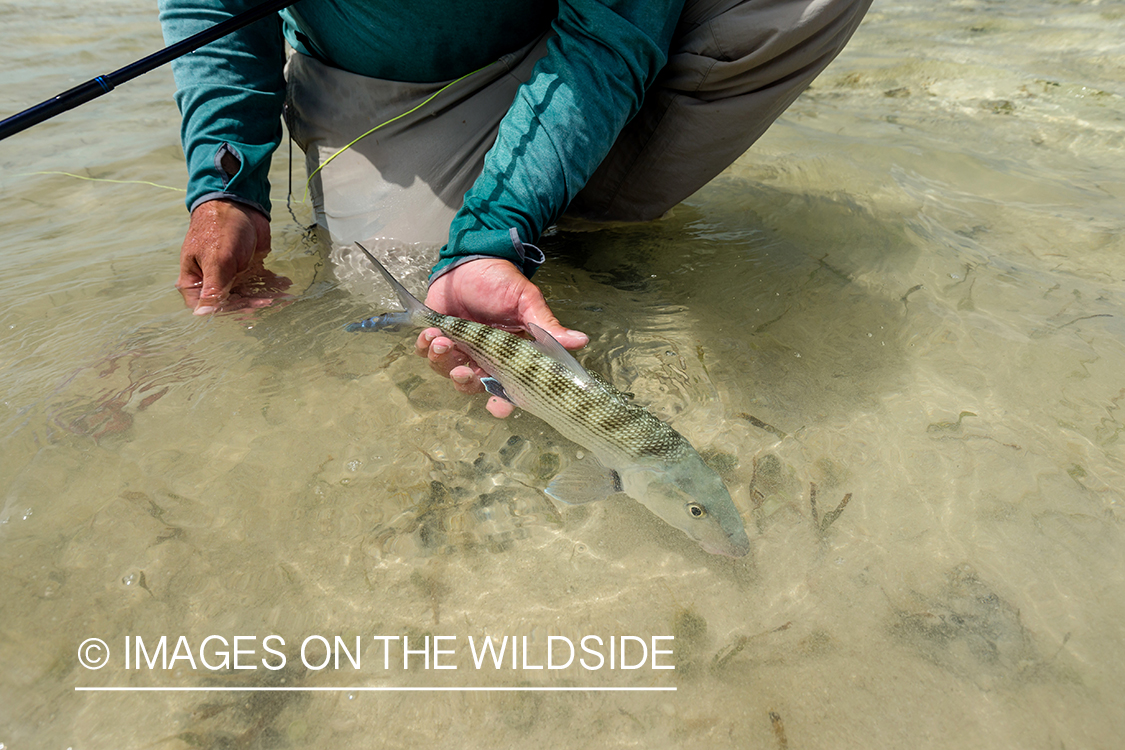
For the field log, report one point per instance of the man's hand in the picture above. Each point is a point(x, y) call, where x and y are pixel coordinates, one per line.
point(494, 292)
point(221, 261)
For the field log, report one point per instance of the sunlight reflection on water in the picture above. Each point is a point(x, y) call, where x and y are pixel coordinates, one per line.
point(909, 294)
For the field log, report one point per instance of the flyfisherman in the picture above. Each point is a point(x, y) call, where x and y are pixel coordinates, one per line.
point(494, 118)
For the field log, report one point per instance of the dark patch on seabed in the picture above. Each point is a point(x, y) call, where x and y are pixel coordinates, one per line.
point(491, 504)
point(249, 720)
point(964, 627)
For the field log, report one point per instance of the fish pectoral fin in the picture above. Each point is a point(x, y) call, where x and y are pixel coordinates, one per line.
point(492, 385)
point(584, 481)
point(391, 321)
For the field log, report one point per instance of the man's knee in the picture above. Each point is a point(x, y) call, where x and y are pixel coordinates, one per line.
point(725, 48)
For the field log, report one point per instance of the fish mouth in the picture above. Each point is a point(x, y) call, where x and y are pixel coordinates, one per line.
point(728, 548)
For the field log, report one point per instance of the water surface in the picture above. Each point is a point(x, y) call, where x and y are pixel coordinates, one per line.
point(909, 293)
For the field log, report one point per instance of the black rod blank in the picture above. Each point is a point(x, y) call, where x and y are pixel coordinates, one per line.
point(103, 84)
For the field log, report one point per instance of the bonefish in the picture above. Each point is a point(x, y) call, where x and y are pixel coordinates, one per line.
point(635, 452)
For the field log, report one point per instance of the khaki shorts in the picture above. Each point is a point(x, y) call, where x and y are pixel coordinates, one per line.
point(734, 67)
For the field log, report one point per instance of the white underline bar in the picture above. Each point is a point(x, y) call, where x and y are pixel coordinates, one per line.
point(373, 689)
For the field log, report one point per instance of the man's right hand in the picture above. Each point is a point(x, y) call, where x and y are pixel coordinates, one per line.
point(494, 292)
point(221, 261)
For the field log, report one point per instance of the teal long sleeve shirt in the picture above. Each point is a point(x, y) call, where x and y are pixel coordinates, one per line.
point(562, 123)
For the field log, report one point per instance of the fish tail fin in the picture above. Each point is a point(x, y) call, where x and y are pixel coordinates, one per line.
point(410, 303)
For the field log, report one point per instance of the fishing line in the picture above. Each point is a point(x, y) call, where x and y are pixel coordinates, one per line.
point(289, 191)
point(117, 182)
point(106, 179)
point(308, 182)
point(413, 109)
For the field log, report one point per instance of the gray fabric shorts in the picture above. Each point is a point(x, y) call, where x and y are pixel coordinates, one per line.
point(734, 67)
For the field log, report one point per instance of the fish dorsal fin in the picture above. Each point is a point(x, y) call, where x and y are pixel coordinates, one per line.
point(546, 344)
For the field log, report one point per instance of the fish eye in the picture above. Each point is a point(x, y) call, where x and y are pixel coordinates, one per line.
point(696, 510)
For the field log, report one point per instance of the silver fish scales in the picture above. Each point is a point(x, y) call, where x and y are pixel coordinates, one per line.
point(589, 411)
point(636, 452)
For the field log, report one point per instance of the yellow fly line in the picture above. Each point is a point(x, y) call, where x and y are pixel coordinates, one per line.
point(106, 179)
point(308, 182)
point(413, 109)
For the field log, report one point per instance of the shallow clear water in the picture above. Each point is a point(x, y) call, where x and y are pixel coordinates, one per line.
point(910, 293)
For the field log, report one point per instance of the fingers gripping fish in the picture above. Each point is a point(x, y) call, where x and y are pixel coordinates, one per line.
point(636, 453)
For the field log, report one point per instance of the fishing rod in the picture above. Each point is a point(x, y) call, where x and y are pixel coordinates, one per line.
point(95, 87)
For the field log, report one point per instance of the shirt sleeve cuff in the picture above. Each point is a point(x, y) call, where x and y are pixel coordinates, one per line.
point(221, 195)
point(489, 243)
point(235, 171)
